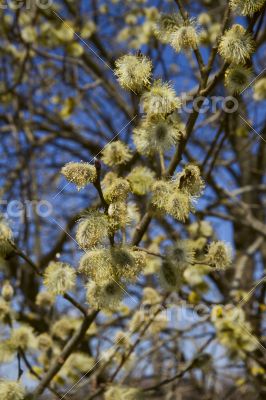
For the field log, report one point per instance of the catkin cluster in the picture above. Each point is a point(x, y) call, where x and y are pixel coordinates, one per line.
point(180, 34)
point(176, 197)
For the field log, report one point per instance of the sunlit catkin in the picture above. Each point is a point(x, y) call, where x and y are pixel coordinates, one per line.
point(92, 229)
point(161, 190)
point(179, 205)
point(237, 78)
point(260, 90)
point(184, 38)
point(11, 390)
point(106, 295)
point(167, 24)
point(158, 134)
point(219, 255)
point(59, 278)
point(7, 291)
point(160, 100)
point(116, 153)
point(117, 191)
point(133, 72)
point(122, 393)
point(44, 342)
point(45, 299)
point(141, 179)
point(6, 237)
point(190, 181)
point(97, 264)
point(247, 7)
point(79, 173)
point(236, 45)
point(118, 215)
point(23, 337)
point(182, 253)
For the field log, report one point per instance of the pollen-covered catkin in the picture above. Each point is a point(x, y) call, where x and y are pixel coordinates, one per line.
point(118, 215)
point(167, 24)
point(116, 153)
point(44, 342)
point(236, 45)
point(190, 181)
point(141, 179)
point(45, 299)
point(79, 173)
point(122, 393)
point(160, 100)
point(219, 255)
point(5, 311)
point(183, 253)
point(237, 78)
point(170, 275)
point(107, 295)
point(260, 90)
point(59, 277)
point(247, 7)
point(7, 291)
point(23, 337)
point(92, 229)
point(161, 190)
point(117, 191)
point(11, 390)
point(97, 264)
point(158, 134)
point(179, 205)
point(184, 38)
point(6, 237)
point(133, 72)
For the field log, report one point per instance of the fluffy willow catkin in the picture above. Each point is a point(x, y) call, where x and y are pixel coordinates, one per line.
point(23, 338)
point(117, 191)
point(166, 25)
point(219, 255)
point(7, 291)
point(184, 37)
point(79, 173)
point(44, 342)
point(200, 228)
point(133, 72)
point(6, 237)
point(183, 253)
point(107, 295)
point(179, 205)
point(157, 134)
point(119, 262)
point(45, 299)
point(170, 275)
point(122, 393)
point(236, 45)
point(167, 198)
point(11, 390)
point(160, 100)
point(247, 7)
point(5, 312)
point(190, 181)
point(59, 277)
point(237, 78)
point(141, 179)
point(118, 215)
point(116, 153)
point(92, 229)
point(260, 90)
